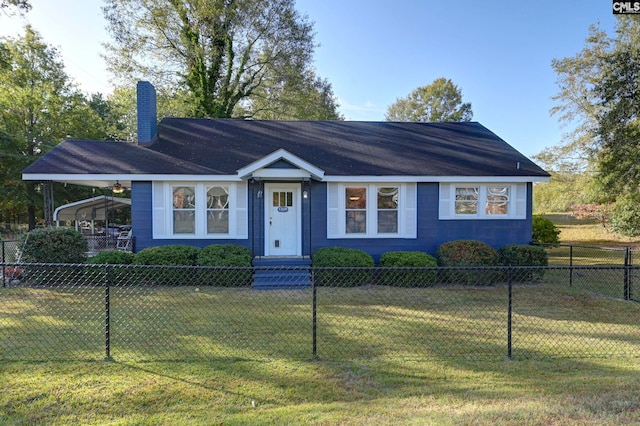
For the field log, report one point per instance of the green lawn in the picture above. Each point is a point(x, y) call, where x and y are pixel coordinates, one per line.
point(385, 356)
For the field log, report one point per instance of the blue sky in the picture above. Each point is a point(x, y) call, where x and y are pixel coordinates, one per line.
point(498, 52)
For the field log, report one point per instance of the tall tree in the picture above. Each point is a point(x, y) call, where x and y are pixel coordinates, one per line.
point(618, 124)
point(300, 96)
point(578, 105)
point(220, 51)
point(39, 107)
point(437, 102)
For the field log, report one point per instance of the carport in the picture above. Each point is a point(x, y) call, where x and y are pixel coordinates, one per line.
point(89, 210)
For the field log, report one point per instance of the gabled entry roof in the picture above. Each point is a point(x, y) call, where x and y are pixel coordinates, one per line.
point(299, 168)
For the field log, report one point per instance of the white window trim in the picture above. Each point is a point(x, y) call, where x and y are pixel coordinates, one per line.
point(336, 213)
point(517, 201)
point(162, 202)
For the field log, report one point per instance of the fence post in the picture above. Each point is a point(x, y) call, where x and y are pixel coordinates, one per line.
point(630, 280)
point(509, 313)
point(571, 266)
point(314, 313)
point(4, 271)
point(107, 318)
point(627, 263)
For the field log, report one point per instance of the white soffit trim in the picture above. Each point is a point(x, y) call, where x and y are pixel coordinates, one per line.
point(281, 154)
point(453, 179)
point(126, 178)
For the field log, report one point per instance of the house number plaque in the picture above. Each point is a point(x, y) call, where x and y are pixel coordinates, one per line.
point(283, 209)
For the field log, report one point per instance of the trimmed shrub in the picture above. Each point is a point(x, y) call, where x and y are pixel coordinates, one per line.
point(237, 258)
point(112, 257)
point(172, 255)
point(54, 245)
point(342, 257)
point(544, 231)
point(411, 276)
point(468, 253)
point(524, 255)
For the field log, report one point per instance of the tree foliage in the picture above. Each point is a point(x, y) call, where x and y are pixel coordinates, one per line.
point(298, 97)
point(222, 56)
point(438, 102)
point(600, 95)
point(39, 107)
point(618, 128)
point(625, 218)
point(578, 104)
point(10, 6)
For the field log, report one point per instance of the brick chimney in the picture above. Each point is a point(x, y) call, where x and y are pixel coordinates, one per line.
point(147, 112)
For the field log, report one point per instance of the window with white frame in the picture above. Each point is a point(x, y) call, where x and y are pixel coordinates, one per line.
point(372, 210)
point(467, 200)
point(218, 209)
point(388, 210)
point(497, 200)
point(184, 209)
point(355, 210)
point(200, 210)
point(482, 201)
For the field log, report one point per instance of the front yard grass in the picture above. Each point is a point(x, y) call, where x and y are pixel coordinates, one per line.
point(386, 356)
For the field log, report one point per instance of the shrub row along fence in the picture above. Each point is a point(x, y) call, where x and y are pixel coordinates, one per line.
point(125, 312)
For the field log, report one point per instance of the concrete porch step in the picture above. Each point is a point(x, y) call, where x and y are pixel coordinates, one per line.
point(281, 273)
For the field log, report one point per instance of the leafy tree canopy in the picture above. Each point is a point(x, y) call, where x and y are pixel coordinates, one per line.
point(39, 107)
point(224, 58)
point(440, 101)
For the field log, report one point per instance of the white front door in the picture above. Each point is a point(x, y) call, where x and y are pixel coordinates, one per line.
point(282, 220)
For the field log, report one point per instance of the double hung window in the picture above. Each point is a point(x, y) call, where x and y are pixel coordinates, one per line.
point(200, 210)
point(371, 210)
point(482, 201)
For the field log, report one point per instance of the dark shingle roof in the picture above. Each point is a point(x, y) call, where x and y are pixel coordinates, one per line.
point(340, 148)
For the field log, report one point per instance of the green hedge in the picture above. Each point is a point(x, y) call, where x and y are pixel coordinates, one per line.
point(544, 231)
point(468, 253)
point(173, 255)
point(237, 258)
point(54, 245)
point(112, 257)
point(342, 257)
point(412, 275)
point(524, 255)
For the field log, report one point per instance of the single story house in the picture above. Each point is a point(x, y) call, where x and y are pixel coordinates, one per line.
point(287, 188)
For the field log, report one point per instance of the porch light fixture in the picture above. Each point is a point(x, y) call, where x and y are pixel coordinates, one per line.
point(305, 194)
point(117, 188)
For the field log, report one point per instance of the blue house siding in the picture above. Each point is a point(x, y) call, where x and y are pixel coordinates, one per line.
point(141, 223)
point(430, 230)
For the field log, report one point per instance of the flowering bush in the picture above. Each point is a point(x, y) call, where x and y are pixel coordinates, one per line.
point(13, 272)
point(467, 253)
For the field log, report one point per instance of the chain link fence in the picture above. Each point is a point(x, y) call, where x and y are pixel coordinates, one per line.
point(126, 312)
